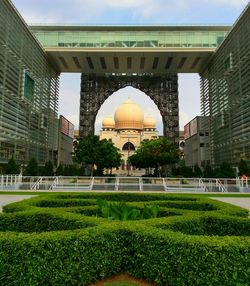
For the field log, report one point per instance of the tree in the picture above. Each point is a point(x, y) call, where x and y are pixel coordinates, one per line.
point(100, 153)
point(183, 170)
point(48, 169)
point(12, 167)
point(156, 154)
point(110, 156)
point(243, 168)
point(70, 170)
point(225, 171)
point(197, 171)
point(59, 170)
point(209, 172)
point(32, 168)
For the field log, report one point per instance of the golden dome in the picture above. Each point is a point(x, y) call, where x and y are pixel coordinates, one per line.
point(129, 116)
point(149, 122)
point(108, 122)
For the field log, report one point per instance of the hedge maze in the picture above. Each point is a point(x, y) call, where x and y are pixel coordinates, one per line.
point(62, 240)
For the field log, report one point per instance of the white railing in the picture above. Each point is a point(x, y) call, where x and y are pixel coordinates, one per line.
point(203, 186)
point(140, 184)
point(54, 184)
point(61, 183)
point(242, 184)
point(36, 185)
point(8, 181)
point(221, 187)
point(164, 185)
point(92, 183)
point(117, 184)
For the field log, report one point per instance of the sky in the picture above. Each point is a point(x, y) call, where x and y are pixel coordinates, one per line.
point(130, 12)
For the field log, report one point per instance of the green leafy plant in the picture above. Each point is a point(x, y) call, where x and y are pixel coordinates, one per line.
point(121, 211)
point(150, 211)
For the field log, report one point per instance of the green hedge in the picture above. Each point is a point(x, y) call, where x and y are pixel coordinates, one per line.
point(210, 225)
point(199, 206)
point(182, 204)
point(65, 258)
point(198, 242)
point(168, 258)
point(128, 197)
point(176, 259)
point(41, 221)
point(56, 203)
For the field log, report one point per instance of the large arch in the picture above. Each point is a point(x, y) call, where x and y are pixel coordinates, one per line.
point(162, 89)
point(119, 97)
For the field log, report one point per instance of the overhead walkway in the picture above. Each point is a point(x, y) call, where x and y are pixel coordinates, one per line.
point(130, 49)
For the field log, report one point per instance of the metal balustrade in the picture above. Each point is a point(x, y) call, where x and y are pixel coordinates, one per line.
point(146, 184)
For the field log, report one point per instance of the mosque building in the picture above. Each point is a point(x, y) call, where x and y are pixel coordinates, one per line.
point(127, 129)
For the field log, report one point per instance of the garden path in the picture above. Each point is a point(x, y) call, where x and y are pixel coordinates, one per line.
point(241, 202)
point(8, 199)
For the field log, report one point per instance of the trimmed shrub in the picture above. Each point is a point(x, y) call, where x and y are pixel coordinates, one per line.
point(211, 225)
point(128, 197)
point(196, 206)
point(176, 259)
point(55, 203)
point(197, 245)
point(40, 222)
point(78, 258)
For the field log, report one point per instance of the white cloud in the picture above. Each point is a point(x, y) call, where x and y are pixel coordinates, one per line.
point(128, 3)
point(234, 3)
point(109, 11)
point(36, 17)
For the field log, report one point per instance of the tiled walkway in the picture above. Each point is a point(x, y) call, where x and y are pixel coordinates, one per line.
point(7, 199)
point(241, 202)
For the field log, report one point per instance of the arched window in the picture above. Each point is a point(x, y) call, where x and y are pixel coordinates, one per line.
point(128, 146)
point(182, 144)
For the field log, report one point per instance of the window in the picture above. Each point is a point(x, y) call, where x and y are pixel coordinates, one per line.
point(29, 85)
point(44, 121)
point(128, 146)
point(228, 63)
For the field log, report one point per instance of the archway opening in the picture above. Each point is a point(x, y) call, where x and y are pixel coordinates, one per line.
point(128, 147)
point(189, 98)
point(148, 106)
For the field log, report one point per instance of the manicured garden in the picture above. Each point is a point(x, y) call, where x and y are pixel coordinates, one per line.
point(82, 238)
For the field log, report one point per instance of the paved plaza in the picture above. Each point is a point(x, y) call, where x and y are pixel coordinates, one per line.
point(241, 202)
point(8, 199)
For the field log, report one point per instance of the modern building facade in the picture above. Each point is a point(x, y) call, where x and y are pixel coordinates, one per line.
point(111, 57)
point(65, 141)
point(197, 148)
point(28, 92)
point(225, 95)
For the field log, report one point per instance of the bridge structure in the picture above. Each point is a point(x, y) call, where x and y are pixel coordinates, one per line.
point(145, 57)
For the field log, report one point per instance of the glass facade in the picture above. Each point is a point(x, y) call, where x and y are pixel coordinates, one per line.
point(28, 92)
point(130, 37)
point(225, 95)
point(29, 81)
